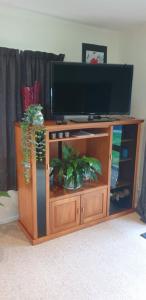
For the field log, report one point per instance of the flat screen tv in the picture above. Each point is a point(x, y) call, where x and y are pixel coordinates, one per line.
point(84, 89)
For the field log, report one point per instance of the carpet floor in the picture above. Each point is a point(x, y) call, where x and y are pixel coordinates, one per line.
point(103, 262)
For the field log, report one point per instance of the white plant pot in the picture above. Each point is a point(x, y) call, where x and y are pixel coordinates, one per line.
point(38, 119)
point(70, 186)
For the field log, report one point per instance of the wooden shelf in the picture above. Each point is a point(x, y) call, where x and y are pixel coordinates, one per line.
point(125, 159)
point(121, 184)
point(92, 136)
point(59, 192)
point(124, 141)
point(127, 140)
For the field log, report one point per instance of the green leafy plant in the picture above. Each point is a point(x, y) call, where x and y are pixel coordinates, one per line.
point(91, 167)
point(33, 115)
point(72, 170)
point(33, 138)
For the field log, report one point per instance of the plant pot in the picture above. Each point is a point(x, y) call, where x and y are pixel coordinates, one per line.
point(38, 119)
point(71, 185)
point(86, 176)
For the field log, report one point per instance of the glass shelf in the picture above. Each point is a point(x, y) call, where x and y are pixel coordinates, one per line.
point(121, 184)
point(122, 169)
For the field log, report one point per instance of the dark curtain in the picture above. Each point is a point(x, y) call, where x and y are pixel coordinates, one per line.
point(18, 69)
point(35, 66)
point(141, 207)
point(10, 111)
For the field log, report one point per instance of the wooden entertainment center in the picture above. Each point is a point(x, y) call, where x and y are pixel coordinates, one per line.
point(47, 211)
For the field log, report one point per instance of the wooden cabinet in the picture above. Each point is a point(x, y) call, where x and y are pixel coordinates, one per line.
point(50, 211)
point(65, 214)
point(93, 205)
point(71, 212)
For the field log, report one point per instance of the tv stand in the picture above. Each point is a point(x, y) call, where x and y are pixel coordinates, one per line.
point(47, 210)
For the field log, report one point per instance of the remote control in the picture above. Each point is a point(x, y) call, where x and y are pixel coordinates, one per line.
point(60, 122)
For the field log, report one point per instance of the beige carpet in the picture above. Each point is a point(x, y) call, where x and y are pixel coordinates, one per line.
point(104, 262)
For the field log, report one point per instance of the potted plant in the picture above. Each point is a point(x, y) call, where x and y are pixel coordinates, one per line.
point(71, 171)
point(33, 137)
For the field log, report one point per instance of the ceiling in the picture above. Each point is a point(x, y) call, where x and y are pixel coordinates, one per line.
point(114, 14)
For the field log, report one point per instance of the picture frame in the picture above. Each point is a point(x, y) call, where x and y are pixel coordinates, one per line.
point(94, 54)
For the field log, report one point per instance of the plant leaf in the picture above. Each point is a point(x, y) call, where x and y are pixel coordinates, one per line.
point(93, 162)
point(60, 176)
point(4, 194)
point(69, 172)
point(56, 163)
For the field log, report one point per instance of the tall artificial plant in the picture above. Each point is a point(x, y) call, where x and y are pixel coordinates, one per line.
point(33, 138)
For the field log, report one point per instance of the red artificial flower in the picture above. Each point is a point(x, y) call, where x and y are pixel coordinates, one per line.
point(94, 61)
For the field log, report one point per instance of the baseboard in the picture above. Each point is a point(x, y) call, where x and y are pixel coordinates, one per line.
point(9, 220)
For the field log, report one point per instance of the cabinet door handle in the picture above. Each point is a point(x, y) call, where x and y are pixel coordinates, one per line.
point(83, 209)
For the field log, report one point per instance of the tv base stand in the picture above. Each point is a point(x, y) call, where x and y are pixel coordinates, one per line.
point(94, 120)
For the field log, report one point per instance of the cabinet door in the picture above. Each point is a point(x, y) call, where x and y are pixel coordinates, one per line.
point(124, 148)
point(93, 205)
point(65, 214)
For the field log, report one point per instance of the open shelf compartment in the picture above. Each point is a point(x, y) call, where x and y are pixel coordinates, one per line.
point(122, 168)
point(87, 133)
point(93, 147)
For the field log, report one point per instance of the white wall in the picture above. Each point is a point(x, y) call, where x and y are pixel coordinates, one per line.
point(26, 30)
point(134, 52)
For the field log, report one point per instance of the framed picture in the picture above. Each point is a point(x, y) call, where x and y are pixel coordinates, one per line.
point(94, 54)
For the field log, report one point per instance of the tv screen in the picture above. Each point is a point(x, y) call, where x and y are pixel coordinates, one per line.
point(84, 89)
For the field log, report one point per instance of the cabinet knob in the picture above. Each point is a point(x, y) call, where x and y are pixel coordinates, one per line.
point(83, 209)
